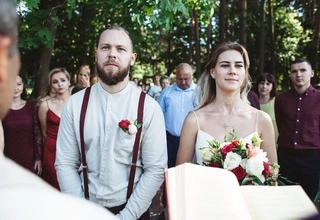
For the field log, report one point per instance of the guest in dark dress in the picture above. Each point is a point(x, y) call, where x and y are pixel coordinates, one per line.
point(254, 99)
point(49, 114)
point(22, 135)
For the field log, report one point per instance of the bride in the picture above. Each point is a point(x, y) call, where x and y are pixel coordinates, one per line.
point(224, 106)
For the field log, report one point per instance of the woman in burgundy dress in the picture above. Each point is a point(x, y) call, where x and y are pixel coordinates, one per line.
point(22, 135)
point(49, 115)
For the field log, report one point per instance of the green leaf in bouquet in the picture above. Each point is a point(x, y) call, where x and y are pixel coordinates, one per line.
point(250, 179)
point(283, 181)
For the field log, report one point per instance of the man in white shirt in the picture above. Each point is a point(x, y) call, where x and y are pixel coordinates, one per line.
point(108, 148)
point(155, 87)
point(23, 195)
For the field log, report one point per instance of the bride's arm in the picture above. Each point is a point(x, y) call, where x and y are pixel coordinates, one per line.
point(266, 132)
point(187, 140)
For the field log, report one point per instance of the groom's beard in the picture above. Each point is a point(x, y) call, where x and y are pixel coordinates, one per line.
point(110, 76)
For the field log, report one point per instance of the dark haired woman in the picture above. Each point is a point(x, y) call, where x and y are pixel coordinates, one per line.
point(22, 134)
point(266, 87)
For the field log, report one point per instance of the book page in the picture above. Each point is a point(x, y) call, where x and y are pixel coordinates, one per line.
point(278, 202)
point(199, 192)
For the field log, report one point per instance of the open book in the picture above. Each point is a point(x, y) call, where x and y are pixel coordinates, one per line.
point(199, 192)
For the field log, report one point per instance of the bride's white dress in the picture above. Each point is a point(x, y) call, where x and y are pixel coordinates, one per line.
point(202, 138)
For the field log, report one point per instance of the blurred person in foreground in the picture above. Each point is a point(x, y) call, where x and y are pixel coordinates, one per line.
point(23, 195)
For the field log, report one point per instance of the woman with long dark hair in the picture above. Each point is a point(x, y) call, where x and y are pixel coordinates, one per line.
point(22, 135)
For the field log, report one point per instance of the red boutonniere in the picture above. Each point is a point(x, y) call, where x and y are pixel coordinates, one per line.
point(130, 127)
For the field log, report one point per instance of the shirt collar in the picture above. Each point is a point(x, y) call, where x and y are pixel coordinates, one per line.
point(192, 87)
point(309, 90)
point(123, 92)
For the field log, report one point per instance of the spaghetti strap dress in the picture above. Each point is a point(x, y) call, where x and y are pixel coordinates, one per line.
point(49, 155)
point(203, 136)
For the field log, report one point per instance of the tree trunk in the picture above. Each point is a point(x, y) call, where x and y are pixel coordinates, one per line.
point(243, 23)
point(209, 40)
point(222, 21)
point(197, 43)
point(191, 39)
point(315, 44)
point(45, 55)
point(169, 63)
point(272, 42)
point(261, 38)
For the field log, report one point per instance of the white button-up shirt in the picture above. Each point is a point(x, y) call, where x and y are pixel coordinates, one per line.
point(109, 149)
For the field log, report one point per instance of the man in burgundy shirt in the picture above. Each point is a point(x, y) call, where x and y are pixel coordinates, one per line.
point(297, 114)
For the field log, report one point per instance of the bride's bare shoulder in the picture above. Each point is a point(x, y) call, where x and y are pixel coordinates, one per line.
point(262, 116)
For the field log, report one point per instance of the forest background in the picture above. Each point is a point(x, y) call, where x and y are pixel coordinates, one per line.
point(64, 33)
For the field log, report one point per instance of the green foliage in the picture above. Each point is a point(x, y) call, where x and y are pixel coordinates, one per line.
point(288, 33)
point(33, 33)
point(70, 7)
point(161, 31)
point(31, 3)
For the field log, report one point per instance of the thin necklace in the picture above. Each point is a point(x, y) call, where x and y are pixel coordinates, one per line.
point(225, 124)
point(231, 115)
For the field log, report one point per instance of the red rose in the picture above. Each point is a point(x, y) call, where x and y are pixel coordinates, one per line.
point(239, 172)
point(216, 164)
point(124, 124)
point(226, 149)
point(266, 171)
point(235, 143)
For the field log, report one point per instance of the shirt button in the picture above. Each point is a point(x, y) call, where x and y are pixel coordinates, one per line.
point(102, 169)
point(295, 143)
point(297, 120)
point(298, 109)
point(300, 98)
point(296, 132)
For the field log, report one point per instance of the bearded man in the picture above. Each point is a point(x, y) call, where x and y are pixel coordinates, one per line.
point(108, 144)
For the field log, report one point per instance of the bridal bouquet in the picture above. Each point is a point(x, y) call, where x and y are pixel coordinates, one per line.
point(246, 160)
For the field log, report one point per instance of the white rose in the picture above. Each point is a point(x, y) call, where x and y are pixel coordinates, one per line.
point(132, 129)
point(243, 163)
point(274, 170)
point(254, 166)
point(206, 154)
point(262, 156)
point(232, 161)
